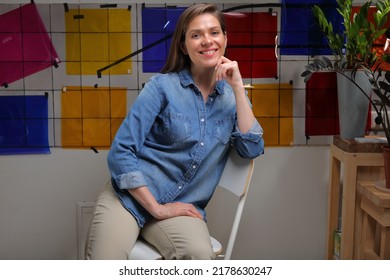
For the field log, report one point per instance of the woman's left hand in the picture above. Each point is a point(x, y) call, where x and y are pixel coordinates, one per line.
point(228, 70)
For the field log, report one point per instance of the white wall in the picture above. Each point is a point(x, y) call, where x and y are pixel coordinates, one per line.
point(38, 196)
point(286, 213)
point(284, 218)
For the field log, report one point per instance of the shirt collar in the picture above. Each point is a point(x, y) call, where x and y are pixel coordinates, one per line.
point(186, 80)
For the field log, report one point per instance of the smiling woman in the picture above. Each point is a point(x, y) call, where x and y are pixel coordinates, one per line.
point(169, 153)
point(205, 42)
point(178, 58)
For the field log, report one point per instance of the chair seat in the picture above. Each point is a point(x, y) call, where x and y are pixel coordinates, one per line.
point(217, 247)
point(142, 250)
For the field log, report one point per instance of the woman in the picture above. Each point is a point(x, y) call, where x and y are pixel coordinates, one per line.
point(169, 153)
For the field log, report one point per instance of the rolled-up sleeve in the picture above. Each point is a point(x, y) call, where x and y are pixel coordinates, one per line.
point(250, 144)
point(131, 180)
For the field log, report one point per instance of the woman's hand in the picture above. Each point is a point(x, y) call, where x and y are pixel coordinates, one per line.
point(170, 210)
point(163, 211)
point(228, 70)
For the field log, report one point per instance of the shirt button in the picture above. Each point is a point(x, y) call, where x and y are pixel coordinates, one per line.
point(179, 187)
point(194, 166)
point(201, 143)
point(202, 120)
point(211, 99)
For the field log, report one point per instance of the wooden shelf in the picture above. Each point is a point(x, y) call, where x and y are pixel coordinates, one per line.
point(352, 146)
point(350, 161)
point(375, 229)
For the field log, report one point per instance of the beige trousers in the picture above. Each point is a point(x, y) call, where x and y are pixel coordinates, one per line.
point(113, 232)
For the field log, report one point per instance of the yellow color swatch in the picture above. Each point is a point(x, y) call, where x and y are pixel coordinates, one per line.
point(95, 38)
point(91, 116)
point(273, 107)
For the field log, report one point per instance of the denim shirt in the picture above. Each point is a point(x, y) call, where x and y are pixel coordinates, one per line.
point(176, 144)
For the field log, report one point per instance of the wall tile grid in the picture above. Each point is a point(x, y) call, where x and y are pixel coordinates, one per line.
point(88, 38)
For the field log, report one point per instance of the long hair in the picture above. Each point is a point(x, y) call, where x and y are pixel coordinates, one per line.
point(177, 60)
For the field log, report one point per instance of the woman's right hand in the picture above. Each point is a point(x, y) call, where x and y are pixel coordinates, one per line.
point(163, 211)
point(174, 209)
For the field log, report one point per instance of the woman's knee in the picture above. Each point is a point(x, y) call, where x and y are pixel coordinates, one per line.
point(180, 238)
point(197, 252)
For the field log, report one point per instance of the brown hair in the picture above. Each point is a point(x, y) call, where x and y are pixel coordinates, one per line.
point(177, 60)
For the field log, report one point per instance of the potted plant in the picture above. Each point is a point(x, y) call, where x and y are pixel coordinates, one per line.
point(354, 50)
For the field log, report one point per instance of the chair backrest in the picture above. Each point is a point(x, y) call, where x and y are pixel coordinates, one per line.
point(236, 178)
point(237, 174)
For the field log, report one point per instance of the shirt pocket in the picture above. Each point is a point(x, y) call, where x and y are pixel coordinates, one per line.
point(177, 127)
point(223, 129)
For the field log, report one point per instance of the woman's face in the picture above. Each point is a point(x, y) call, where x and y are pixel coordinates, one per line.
point(205, 41)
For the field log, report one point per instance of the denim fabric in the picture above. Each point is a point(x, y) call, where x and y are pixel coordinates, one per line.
point(176, 144)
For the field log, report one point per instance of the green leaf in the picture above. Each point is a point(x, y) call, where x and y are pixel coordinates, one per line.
point(387, 76)
point(327, 62)
point(384, 86)
point(305, 73)
point(307, 77)
point(386, 58)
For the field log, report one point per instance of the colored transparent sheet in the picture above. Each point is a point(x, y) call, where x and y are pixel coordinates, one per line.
point(321, 109)
point(163, 24)
point(24, 125)
point(272, 105)
point(26, 47)
point(300, 34)
point(91, 116)
point(251, 42)
point(96, 38)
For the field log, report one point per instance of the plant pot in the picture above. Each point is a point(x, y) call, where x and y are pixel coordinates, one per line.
point(386, 158)
point(353, 104)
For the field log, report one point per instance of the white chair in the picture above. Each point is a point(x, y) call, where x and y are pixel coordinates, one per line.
point(236, 178)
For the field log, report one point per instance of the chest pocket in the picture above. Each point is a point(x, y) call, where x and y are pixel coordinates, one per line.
point(223, 129)
point(176, 126)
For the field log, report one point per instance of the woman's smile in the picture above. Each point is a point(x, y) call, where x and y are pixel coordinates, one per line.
point(209, 53)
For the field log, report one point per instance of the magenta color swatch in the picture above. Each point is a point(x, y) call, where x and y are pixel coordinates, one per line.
point(25, 46)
